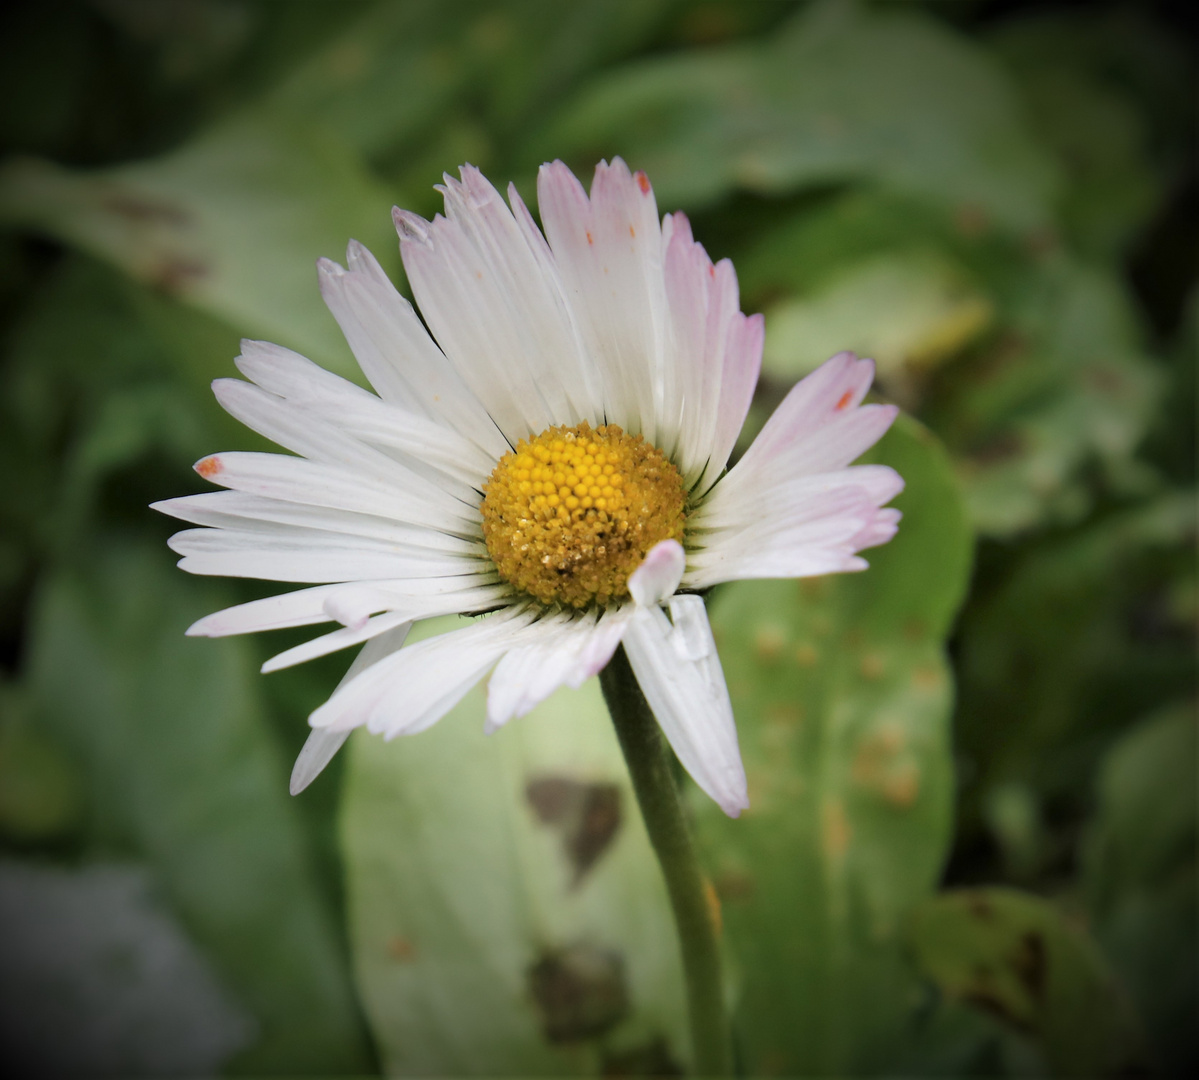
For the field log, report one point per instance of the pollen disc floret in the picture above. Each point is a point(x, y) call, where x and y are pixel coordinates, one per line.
point(571, 513)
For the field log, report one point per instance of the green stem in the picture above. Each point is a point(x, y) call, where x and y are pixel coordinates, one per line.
point(649, 761)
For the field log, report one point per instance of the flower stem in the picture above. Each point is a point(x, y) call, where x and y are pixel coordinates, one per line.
point(650, 765)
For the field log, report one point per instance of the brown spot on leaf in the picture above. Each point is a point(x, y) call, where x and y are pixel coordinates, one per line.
point(174, 274)
point(579, 992)
point(714, 913)
point(143, 209)
point(734, 886)
point(769, 642)
point(835, 831)
point(915, 629)
point(926, 677)
point(872, 666)
point(971, 220)
point(652, 1058)
point(806, 654)
point(401, 949)
point(979, 905)
point(812, 588)
point(588, 815)
point(1029, 962)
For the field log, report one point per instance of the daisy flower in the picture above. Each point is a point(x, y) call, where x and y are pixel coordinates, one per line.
point(550, 453)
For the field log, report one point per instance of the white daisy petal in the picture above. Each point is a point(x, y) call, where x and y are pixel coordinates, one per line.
point(567, 651)
point(395, 351)
point(350, 604)
point(309, 556)
point(415, 687)
point(405, 497)
point(321, 744)
point(408, 504)
point(716, 353)
point(609, 252)
point(273, 517)
point(372, 420)
point(469, 273)
point(658, 575)
point(679, 672)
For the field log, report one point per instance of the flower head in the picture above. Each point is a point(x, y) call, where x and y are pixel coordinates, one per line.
point(551, 454)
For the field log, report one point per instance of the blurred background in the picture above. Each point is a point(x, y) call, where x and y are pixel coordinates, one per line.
point(972, 847)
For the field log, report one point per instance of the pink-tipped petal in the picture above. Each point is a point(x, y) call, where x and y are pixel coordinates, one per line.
point(659, 574)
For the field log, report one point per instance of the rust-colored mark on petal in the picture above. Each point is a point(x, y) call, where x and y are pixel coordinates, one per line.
point(590, 238)
point(209, 467)
point(632, 232)
point(642, 182)
point(712, 271)
point(846, 398)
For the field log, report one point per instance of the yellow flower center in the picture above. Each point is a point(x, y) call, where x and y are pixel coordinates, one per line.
point(570, 514)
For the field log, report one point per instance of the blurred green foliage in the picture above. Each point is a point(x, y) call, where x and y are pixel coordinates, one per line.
point(996, 200)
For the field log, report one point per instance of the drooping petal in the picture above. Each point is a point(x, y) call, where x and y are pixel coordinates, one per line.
point(676, 663)
point(350, 604)
point(322, 744)
point(310, 556)
point(567, 652)
point(414, 688)
point(659, 573)
point(358, 625)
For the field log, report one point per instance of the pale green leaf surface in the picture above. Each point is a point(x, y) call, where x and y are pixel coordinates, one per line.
point(907, 311)
point(842, 696)
point(182, 771)
point(457, 890)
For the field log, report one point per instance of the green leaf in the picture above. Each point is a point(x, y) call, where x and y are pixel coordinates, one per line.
point(842, 93)
point(1016, 957)
point(1141, 872)
point(907, 310)
point(1074, 73)
point(506, 911)
point(40, 787)
point(182, 771)
point(1065, 386)
point(842, 696)
point(232, 222)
